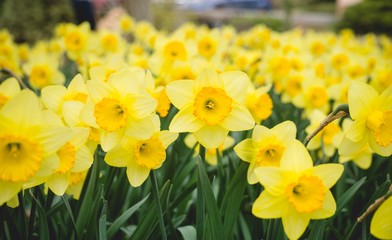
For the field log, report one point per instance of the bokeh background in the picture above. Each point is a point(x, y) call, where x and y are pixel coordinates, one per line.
point(31, 20)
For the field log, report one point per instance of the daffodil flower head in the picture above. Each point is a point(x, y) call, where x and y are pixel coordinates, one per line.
point(372, 115)
point(27, 143)
point(210, 106)
point(141, 155)
point(266, 147)
point(296, 191)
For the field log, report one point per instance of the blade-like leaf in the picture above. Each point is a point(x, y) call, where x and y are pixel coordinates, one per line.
point(216, 226)
point(121, 220)
point(317, 230)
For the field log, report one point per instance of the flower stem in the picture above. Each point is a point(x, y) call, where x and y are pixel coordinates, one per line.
point(32, 214)
point(375, 205)
point(200, 206)
point(339, 112)
point(158, 203)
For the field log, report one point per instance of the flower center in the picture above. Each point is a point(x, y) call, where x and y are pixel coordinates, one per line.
point(212, 105)
point(74, 41)
point(206, 47)
point(75, 178)
point(110, 42)
point(317, 97)
point(40, 75)
point(381, 125)
point(270, 155)
point(260, 106)
point(174, 50)
point(329, 132)
point(20, 158)
point(110, 114)
point(307, 194)
point(150, 153)
point(67, 158)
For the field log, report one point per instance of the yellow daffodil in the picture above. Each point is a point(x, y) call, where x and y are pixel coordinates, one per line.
point(119, 106)
point(362, 158)
point(259, 103)
point(141, 155)
point(266, 147)
point(381, 224)
point(27, 143)
point(210, 106)
point(296, 191)
point(211, 156)
point(372, 115)
point(8, 89)
point(324, 139)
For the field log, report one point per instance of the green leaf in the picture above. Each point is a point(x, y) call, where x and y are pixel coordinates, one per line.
point(149, 218)
point(216, 226)
point(233, 198)
point(65, 200)
point(42, 220)
point(188, 232)
point(102, 234)
point(348, 195)
point(120, 221)
point(317, 230)
point(85, 207)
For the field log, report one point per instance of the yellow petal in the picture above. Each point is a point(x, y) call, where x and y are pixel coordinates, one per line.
point(251, 175)
point(140, 129)
point(117, 157)
point(386, 99)
point(14, 202)
point(211, 136)
point(110, 139)
point(137, 174)
point(127, 81)
point(328, 173)
point(360, 95)
point(8, 191)
point(71, 111)
point(268, 206)
point(327, 210)
point(167, 138)
point(381, 224)
point(285, 131)
point(260, 133)
point(364, 161)
point(185, 121)
point(83, 159)
point(79, 136)
point(272, 178)
point(10, 87)
point(53, 138)
point(140, 106)
point(236, 84)
point(87, 115)
point(357, 130)
point(348, 147)
point(23, 109)
point(294, 223)
point(208, 78)
point(52, 97)
point(383, 151)
point(58, 183)
point(296, 158)
point(180, 92)
point(239, 119)
point(98, 90)
point(245, 150)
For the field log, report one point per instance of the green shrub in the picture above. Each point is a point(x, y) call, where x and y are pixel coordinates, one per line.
point(368, 16)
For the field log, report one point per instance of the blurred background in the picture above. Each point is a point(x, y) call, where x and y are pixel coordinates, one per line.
point(31, 20)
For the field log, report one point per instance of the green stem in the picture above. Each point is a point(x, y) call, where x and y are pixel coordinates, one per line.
point(200, 206)
point(32, 215)
point(158, 203)
point(23, 214)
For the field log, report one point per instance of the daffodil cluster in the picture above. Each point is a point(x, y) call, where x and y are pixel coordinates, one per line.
point(132, 91)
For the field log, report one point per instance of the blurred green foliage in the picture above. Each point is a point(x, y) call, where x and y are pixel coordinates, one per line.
point(29, 20)
point(368, 16)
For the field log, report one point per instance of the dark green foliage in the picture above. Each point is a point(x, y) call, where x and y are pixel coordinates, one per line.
point(368, 16)
point(29, 21)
